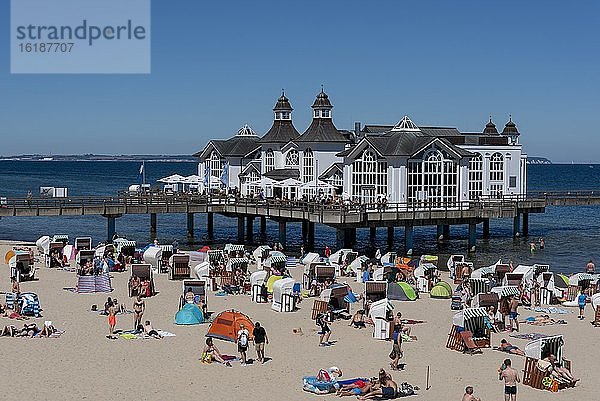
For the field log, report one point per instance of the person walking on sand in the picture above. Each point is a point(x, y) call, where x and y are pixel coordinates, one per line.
point(139, 306)
point(112, 320)
point(468, 396)
point(581, 299)
point(325, 330)
point(242, 342)
point(511, 378)
point(512, 317)
point(260, 338)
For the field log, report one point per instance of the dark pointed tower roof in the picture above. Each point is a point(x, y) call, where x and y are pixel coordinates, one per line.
point(282, 131)
point(283, 104)
point(322, 101)
point(510, 128)
point(322, 129)
point(490, 128)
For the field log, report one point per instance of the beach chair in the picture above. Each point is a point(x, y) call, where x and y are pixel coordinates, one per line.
point(180, 267)
point(226, 278)
point(319, 307)
point(455, 341)
point(596, 321)
point(540, 379)
point(198, 287)
point(144, 272)
point(469, 344)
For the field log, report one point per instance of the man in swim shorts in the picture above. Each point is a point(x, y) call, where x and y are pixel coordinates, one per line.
point(511, 378)
point(388, 390)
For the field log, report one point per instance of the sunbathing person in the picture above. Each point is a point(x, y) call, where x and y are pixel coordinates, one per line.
point(135, 284)
point(9, 331)
point(29, 330)
point(387, 390)
point(556, 370)
point(562, 372)
point(358, 320)
point(357, 388)
point(505, 346)
point(149, 330)
point(47, 330)
point(190, 296)
point(211, 353)
point(542, 320)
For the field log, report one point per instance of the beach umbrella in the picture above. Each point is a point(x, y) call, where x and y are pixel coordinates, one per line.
point(561, 281)
point(172, 179)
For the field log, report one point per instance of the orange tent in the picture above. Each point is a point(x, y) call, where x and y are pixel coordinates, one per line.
point(226, 325)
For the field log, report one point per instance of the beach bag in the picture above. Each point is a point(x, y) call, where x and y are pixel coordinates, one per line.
point(392, 355)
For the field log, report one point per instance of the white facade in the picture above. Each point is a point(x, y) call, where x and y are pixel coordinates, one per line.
point(422, 167)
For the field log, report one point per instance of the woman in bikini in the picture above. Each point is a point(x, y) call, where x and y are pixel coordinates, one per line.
point(139, 306)
point(211, 353)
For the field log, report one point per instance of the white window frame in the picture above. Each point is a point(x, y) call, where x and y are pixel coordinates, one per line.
point(269, 160)
point(292, 158)
point(433, 181)
point(308, 165)
point(476, 177)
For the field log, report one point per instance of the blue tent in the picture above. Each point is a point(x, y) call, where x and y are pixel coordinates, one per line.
point(190, 314)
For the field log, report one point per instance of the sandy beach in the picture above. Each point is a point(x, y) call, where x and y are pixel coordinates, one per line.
point(84, 364)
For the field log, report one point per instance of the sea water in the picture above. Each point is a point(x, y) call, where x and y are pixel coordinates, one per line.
point(571, 234)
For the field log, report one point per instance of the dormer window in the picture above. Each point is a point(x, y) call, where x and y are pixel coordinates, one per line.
point(316, 113)
point(286, 115)
point(325, 113)
point(278, 115)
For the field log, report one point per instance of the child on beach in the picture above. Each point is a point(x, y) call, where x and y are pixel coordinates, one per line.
point(581, 299)
point(112, 320)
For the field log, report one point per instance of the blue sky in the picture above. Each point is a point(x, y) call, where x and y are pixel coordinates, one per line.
point(219, 65)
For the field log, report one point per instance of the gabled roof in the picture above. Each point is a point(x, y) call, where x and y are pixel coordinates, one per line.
point(331, 170)
point(403, 144)
point(376, 129)
point(405, 125)
point(281, 174)
point(282, 131)
point(253, 165)
point(322, 130)
point(238, 146)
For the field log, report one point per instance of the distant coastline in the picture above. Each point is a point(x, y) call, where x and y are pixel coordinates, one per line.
point(154, 158)
point(100, 158)
point(538, 160)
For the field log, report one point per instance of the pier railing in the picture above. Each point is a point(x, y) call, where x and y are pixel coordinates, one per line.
point(183, 202)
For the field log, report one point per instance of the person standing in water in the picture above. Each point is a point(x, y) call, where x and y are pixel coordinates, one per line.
point(590, 267)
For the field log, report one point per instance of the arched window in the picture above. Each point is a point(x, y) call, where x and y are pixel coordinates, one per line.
point(369, 177)
point(215, 164)
point(475, 177)
point(269, 161)
point(433, 181)
point(308, 166)
point(497, 167)
point(497, 174)
point(292, 158)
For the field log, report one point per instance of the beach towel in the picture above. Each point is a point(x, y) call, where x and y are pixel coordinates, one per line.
point(550, 310)
point(529, 336)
